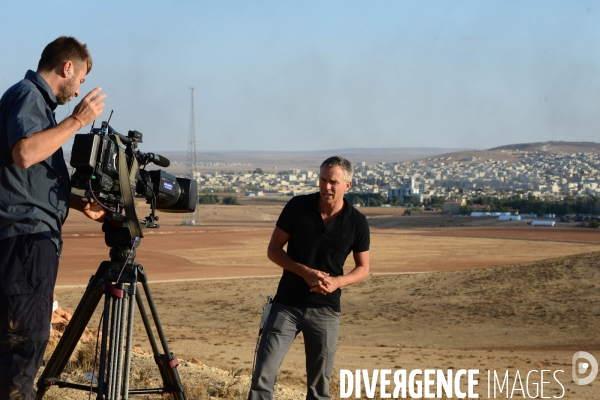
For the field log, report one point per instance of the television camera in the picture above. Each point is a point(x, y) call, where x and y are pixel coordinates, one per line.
point(110, 167)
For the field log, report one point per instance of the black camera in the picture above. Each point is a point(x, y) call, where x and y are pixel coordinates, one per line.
point(95, 157)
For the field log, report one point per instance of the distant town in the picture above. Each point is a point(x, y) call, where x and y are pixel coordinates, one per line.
point(530, 174)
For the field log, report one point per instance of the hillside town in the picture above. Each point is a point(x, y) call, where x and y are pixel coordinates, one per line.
point(548, 176)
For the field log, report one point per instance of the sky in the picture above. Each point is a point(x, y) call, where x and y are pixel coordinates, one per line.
point(324, 75)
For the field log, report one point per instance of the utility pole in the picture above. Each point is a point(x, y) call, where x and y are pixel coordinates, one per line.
point(192, 165)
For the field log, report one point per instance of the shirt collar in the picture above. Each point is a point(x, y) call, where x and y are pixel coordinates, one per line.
point(345, 209)
point(45, 89)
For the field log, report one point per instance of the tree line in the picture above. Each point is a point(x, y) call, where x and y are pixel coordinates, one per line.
point(214, 199)
point(531, 205)
point(535, 205)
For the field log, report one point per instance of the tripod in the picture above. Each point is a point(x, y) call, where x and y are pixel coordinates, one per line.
point(117, 281)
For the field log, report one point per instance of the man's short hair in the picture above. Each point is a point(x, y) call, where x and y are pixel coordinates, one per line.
point(337, 161)
point(63, 49)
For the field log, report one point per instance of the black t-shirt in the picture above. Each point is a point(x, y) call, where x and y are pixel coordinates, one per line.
point(315, 246)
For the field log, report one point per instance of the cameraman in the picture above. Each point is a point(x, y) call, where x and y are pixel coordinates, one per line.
point(35, 196)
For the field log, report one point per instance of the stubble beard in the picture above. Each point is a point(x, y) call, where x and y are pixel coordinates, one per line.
point(66, 91)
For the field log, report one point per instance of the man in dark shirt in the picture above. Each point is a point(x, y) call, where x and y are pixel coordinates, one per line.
point(35, 196)
point(320, 230)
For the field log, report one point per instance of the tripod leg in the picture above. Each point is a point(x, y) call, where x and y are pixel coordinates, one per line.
point(113, 348)
point(75, 329)
point(102, 368)
point(127, 366)
point(167, 363)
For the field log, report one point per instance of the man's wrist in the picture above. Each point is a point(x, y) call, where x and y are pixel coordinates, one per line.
point(76, 118)
point(77, 202)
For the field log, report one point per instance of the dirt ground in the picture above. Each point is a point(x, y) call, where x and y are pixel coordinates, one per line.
point(232, 241)
point(504, 298)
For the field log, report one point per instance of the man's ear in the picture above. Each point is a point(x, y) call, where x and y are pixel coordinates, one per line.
point(68, 69)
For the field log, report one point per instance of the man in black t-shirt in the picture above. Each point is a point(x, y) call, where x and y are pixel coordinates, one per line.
point(320, 230)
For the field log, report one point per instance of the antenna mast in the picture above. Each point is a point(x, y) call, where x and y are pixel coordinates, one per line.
point(192, 164)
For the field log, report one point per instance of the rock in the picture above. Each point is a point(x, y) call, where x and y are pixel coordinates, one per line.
point(57, 319)
point(60, 320)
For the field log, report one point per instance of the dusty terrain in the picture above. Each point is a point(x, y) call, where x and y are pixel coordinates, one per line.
point(491, 298)
point(232, 241)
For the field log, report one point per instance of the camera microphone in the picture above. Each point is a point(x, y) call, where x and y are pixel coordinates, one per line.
point(158, 160)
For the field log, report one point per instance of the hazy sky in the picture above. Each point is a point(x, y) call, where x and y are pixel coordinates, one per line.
point(319, 75)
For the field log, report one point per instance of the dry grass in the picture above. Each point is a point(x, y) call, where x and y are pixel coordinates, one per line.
point(82, 359)
point(85, 358)
point(145, 374)
point(528, 316)
point(400, 252)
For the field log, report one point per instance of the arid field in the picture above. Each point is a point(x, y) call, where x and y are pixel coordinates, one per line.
point(484, 296)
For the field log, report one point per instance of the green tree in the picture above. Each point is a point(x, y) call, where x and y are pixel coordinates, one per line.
point(367, 199)
point(208, 199)
point(230, 200)
point(436, 202)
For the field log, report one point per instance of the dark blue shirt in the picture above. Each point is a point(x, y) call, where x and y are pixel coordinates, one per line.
point(318, 247)
point(36, 199)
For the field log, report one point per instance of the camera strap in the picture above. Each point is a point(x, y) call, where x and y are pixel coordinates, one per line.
point(125, 176)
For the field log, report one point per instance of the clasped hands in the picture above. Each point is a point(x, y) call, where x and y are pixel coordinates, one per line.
point(320, 282)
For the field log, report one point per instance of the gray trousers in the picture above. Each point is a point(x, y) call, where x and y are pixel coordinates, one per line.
point(320, 327)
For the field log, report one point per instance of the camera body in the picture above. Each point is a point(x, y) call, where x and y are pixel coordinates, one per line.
point(95, 157)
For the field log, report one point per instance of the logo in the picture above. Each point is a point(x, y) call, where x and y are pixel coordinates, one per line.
point(580, 368)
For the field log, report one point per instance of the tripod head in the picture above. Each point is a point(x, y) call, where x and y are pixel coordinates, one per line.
point(117, 236)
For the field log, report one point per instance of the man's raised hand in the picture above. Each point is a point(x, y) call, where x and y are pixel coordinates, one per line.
point(90, 107)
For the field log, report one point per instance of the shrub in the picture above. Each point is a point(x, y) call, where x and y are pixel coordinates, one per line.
point(208, 199)
point(231, 200)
